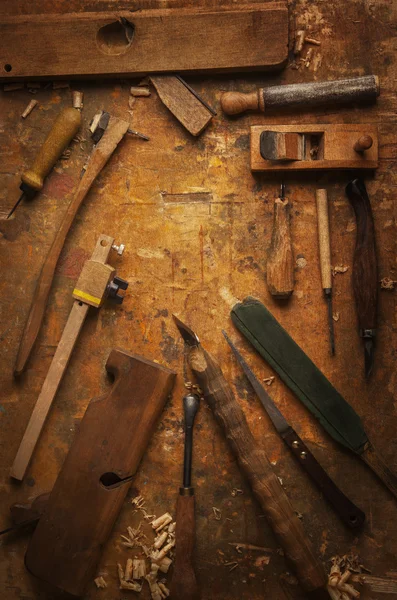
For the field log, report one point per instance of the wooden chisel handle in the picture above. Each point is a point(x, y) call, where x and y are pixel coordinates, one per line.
point(365, 277)
point(256, 467)
point(324, 239)
point(280, 267)
point(303, 95)
point(184, 583)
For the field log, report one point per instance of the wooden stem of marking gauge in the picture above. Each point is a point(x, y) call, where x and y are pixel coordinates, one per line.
point(256, 467)
point(280, 267)
point(114, 133)
point(184, 583)
point(324, 239)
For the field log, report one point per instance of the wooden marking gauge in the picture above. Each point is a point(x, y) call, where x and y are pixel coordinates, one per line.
point(97, 281)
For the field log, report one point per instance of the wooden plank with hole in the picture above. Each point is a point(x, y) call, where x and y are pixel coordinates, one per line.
point(328, 146)
point(95, 477)
point(253, 36)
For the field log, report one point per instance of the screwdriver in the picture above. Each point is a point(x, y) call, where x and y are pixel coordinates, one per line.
point(61, 134)
point(325, 258)
point(280, 268)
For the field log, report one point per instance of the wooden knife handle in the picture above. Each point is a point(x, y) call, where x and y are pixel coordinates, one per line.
point(324, 239)
point(280, 267)
point(365, 278)
point(235, 103)
point(350, 514)
point(373, 460)
point(184, 583)
point(256, 467)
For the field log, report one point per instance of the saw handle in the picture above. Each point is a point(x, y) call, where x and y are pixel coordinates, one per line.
point(364, 275)
point(350, 514)
point(256, 467)
point(279, 266)
point(184, 583)
point(62, 132)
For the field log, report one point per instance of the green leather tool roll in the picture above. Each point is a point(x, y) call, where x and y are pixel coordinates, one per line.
point(299, 373)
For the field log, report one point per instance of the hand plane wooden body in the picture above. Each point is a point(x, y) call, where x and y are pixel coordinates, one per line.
point(90, 489)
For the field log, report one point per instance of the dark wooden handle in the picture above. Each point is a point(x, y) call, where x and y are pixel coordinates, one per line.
point(350, 514)
point(280, 268)
point(184, 583)
point(256, 467)
point(364, 275)
point(373, 460)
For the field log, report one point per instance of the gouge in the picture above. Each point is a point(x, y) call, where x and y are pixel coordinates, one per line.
point(256, 467)
point(279, 266)
point(61, 134)
point(184, 583)
point(324, 245)
point(303, 95)
point(365, 275)
point(350, 514)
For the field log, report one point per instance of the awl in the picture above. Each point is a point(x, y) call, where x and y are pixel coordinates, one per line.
point(324, 244)
point(365, 275)
point(350, 514)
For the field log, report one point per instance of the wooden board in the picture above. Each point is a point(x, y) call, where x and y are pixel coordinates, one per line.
point(335, 148)
point(250, 37)
point(83, 505)
point(184, 105)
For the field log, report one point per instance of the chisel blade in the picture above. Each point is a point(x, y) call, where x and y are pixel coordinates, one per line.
point(188, 335)
point(368, 355)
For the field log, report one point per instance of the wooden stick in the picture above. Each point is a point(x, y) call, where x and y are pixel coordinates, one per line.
point(256, 467)
point(280, 268)
point(114, 133)
point(323, 238)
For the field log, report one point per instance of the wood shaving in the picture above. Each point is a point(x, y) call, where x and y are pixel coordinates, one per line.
point(387, 284)
point(239, 546)
point(308, 58)
point(29, 108)
point(139, 91)
point(100, 583)
point(236, 492)
point(336, 316)
point(309, 40)
point(299, 41)
point(217, 513)
point(232, 565)
point(341, 571)
point(269, 380)
point(339, 269)
point(262, 561)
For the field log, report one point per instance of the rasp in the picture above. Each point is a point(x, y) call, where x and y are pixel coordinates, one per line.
point(308, 383)
point(350, 514)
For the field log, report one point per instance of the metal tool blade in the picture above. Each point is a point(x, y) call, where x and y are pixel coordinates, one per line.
point(328, 296)
point(17, 204)
point(278, 420)
point(189, 337)
point(368, 355)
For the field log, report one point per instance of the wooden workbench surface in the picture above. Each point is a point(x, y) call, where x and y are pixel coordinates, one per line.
point(196, 224)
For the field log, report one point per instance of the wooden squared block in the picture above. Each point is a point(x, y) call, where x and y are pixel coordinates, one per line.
point(276, 145)
point(93, 282)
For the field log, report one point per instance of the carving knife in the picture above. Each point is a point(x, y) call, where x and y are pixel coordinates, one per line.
point(364, 276)
point(350, 514)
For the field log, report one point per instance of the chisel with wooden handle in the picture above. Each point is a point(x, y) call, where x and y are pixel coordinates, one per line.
point(279, 265)
point(303, 95)
point(256, 467)
point(324, 245)
point(365, 276)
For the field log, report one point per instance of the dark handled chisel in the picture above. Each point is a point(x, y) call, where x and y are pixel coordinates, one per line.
point(350, 514)
point(184, 583)
point(364, 275)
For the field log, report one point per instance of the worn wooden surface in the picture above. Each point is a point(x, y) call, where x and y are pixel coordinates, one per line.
point(196, 223)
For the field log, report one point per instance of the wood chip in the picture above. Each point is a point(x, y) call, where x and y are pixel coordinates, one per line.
point(139, 91)
point(165, 564)
point(236, 492)
point(29, 108)
point(242, 546)
point(128, 570)
point(77, 99)
point(269, 380)
point(160, 540)
point(165, 591)
point(336, 316)
point(100, 583)
point(309, 40)
point(308, 58)
point(130, 585)
point(339, 269)
point(217, 513)
point(387, 284)
point(299, 41)
point(162, 521)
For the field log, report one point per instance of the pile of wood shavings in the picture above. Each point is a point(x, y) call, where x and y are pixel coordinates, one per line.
point(340, 577)
point(156, 560)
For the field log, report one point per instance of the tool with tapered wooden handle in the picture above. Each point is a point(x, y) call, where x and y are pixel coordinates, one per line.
point(114, 133)
point(184, 583)
point(279, 266)
point(303, 95)
point(61, 134)
point(365, 272)
point(324, 245)
point(97, 281)
point(256, 467)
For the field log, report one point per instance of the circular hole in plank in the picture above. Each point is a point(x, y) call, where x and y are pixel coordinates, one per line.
point(7, 68)
point(115, 38)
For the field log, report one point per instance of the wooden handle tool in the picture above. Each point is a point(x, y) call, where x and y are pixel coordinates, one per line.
point(97, 473)
point(184, 583)
point(365, 276)
point(280, 267)
point(114, 133)
point(324, 244)
point(91, 290)
point(256, 467)
point(303, 95)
